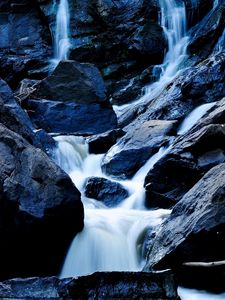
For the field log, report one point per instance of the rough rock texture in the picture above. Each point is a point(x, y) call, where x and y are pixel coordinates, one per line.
point(134, 149)
point(206, 33)
point(195, 85)
point(17, 120)
point(109, 192)
point(114, 285)
point(25, 39)
point(190, 158)
point(195, 230)
point(101, 143)
point(114, 32)
point(70, 117)
point(72, 81)
point(40, 209)
point(196, 10)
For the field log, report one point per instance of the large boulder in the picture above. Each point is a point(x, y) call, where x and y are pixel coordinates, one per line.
point(40, 209)
point(71, 117)
point(108, 192)
point(125, 158)
point(114, 285)
point(73, 81)
point(195, 230)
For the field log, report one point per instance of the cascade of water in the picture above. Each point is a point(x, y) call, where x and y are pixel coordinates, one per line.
point(193, 117)
point(62, 41)
point(110, 237)
point(174, 23)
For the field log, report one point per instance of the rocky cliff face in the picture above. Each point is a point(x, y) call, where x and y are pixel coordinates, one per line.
point(116, 45)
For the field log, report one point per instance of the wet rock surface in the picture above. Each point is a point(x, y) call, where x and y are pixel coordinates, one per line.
point(191, 156)
point(134, 148)
point(154, 286)
point(108, 192)
point(72, 81)
point(101, 143)
point(195, 229)
point(69, 117)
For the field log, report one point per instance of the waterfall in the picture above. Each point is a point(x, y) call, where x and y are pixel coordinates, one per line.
point(193, 117)
point(174, 23)
point(112, 239)
point(61, 37)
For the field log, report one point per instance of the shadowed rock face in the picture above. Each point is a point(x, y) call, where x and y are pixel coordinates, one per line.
point(191, 156)
point(72, 81)
point(195, 230)
point(108, 192)
point(134, 149)
point(70, 117)
point(39, 206)
point(114, 285)
point(15, 118)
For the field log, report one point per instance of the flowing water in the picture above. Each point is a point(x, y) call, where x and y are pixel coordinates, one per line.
point(174, 23)
point(194, 116)
point(61, 37)
point(114, 238)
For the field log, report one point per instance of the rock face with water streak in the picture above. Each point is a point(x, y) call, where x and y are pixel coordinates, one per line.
point(134, 149)
point(115, 285)
point(39, 206)
point(195, 230)
point(192, 155)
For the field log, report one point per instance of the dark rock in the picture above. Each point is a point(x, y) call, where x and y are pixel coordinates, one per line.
point(101, 143)
point(33, 288)
point(25, 39)
point(72, 81)
point(136, 147)
point(70, 117)
point(195, 230)
point(22, 30)
point(196, 10)
point(195, 85)
point(205, 34)
point(127, 285)
point(109, 32)
point(202, 276)
point(16, 119)
point(109, 192)
point(40, 209)
point(190, 158)
point(113, 285)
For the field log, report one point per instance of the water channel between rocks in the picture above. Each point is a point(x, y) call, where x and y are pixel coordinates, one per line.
point(113, 239)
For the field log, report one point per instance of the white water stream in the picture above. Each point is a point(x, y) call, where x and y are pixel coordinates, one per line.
point(174, 23)
point(113, 238)
point(61, 37)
